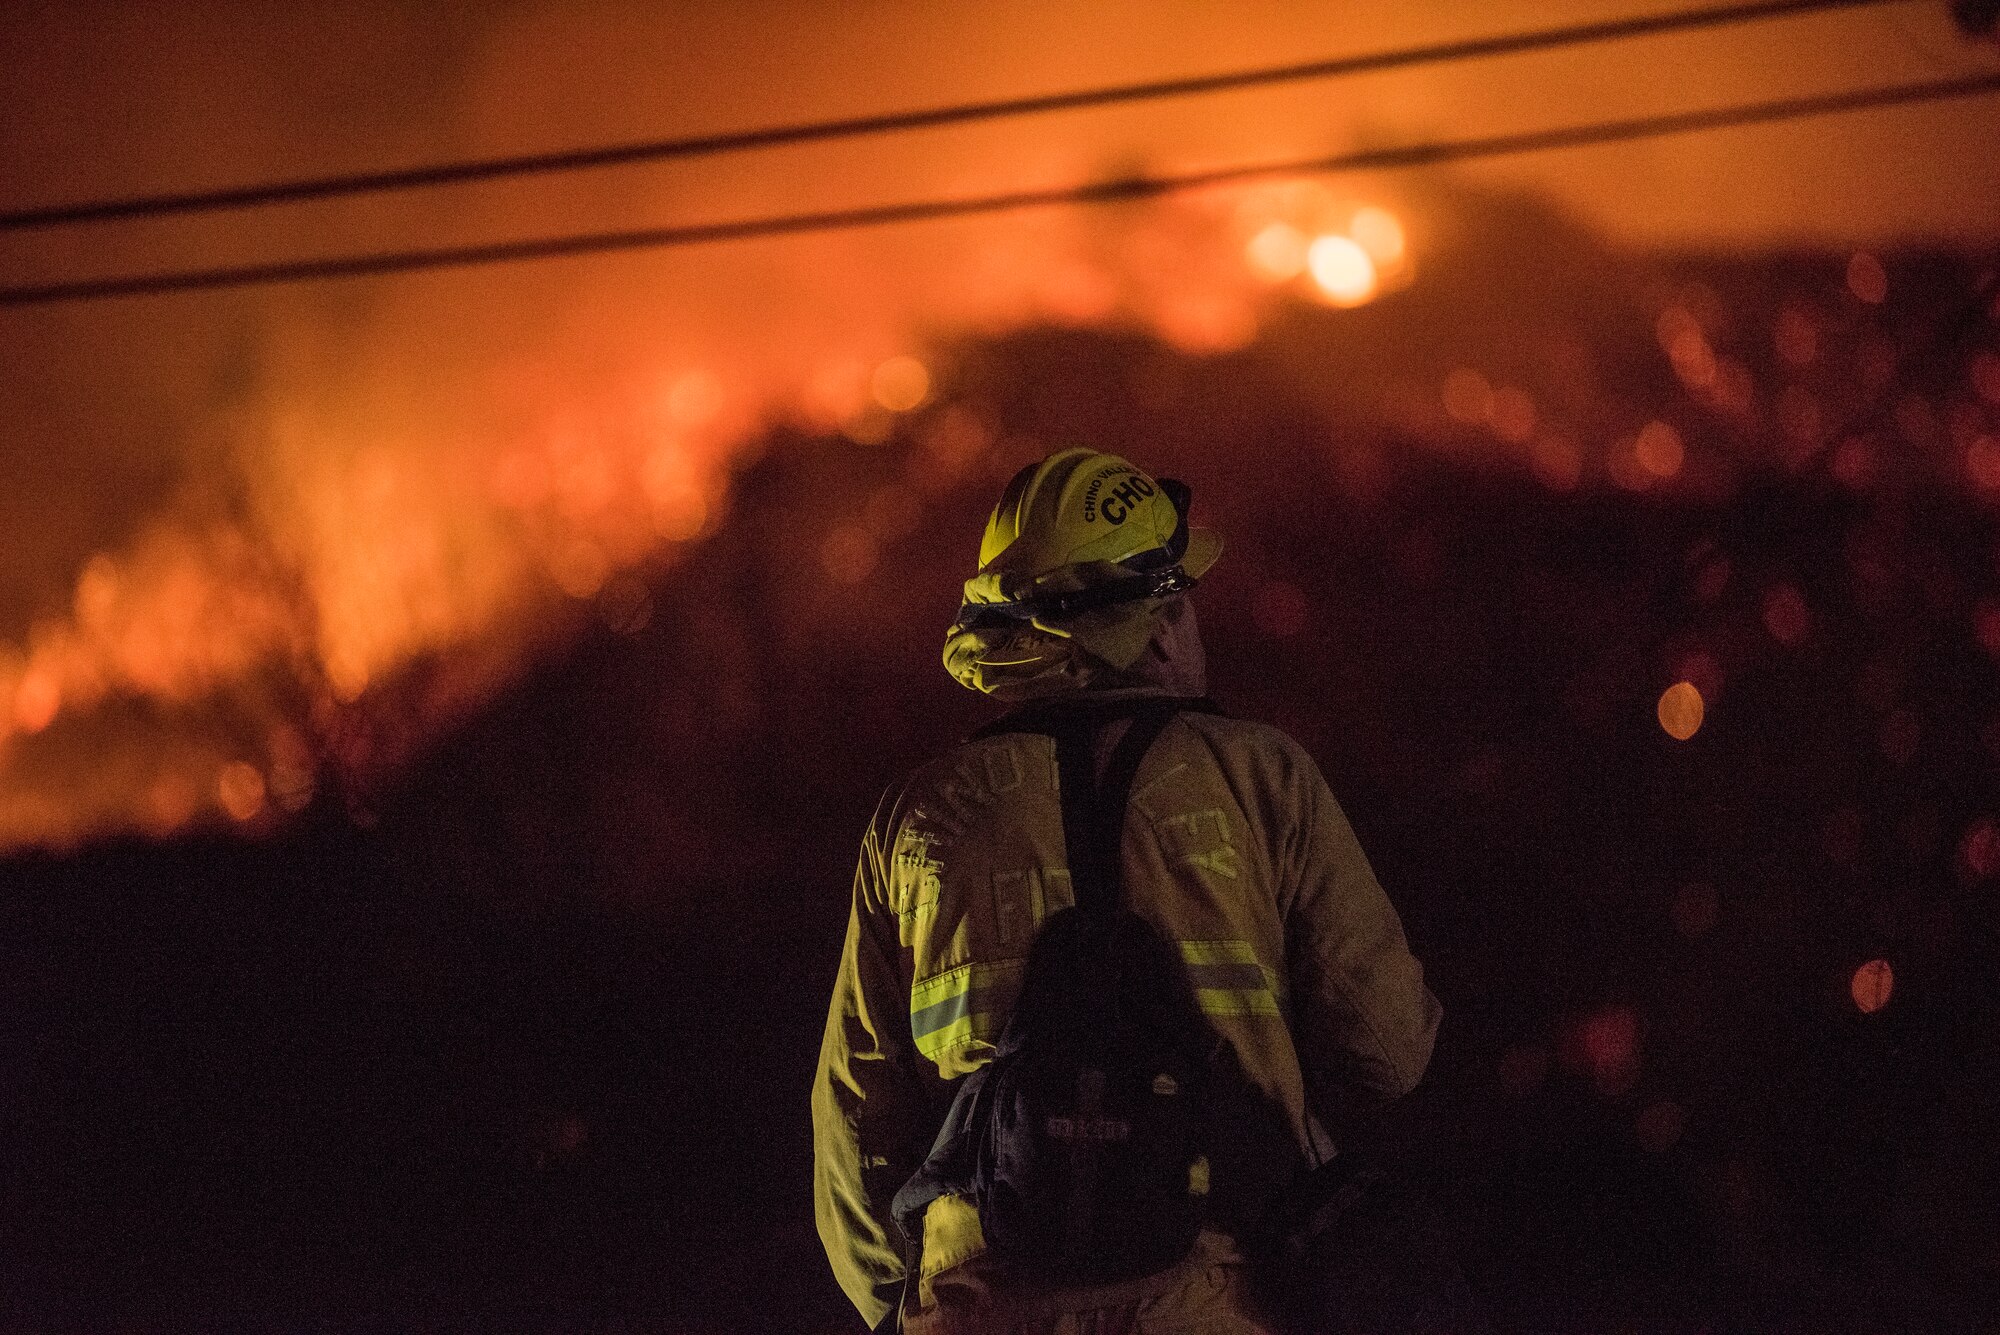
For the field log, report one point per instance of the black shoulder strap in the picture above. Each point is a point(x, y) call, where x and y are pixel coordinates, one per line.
point(1046, 716)
point(1093, 813)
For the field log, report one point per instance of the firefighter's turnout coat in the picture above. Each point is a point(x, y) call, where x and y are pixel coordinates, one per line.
point(1233, 847)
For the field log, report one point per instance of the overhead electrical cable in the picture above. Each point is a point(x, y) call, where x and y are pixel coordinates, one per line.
point(491, 169)
point(1097, 192)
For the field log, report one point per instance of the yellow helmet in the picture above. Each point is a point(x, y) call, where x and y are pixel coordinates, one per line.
point(1083, 532)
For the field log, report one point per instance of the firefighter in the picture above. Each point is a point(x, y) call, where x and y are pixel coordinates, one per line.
point(1233, 849)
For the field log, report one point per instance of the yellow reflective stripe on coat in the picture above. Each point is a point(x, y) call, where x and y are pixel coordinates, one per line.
point(1229, 979)
point(966, 1004)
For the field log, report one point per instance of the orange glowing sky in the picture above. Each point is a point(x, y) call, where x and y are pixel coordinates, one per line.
point(320, 482)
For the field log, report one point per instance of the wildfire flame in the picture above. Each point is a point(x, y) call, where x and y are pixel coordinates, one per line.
point(322, 556)
point(221, 664)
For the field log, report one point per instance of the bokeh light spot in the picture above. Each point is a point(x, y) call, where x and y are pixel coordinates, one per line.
point(1277, 253)
point(1342, 270)
point(1871, 985)
point(96, 592)
point(347, 674)
point(1607, 1044)
point(1982, 463)
point(170, 804)
point(1979, 850)
point(1380, 233)
point(240, 790)
point(292, 785)
point(1687, 347)
point(1681, 710)
point(1699, 668)
point(626, 604)
point(1853, 465)
point(695, 399)
point(1867, 279)
point(1985, 376)
point(580, 568)
point(900, 384)
point(1659, 450)
point(1786, 615)
point(37, 700)
point(682, 519)
point(1986, 626)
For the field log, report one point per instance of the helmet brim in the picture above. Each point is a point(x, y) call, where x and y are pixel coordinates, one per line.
point(1204, 546)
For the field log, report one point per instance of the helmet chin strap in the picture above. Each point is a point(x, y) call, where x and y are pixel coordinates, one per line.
point(1160, 575)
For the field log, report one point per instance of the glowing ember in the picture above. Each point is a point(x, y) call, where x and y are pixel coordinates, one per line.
point(1985, 376)
point(370, 520)
point(1986, 626)
point(1342, 270)
point(1606, 1046)
point(1687, 347)
point(1699, 668)
point(1658, 450)
point(1979, 850)
point(240, 789)
point(900, 384)
point(1982, 463)
point(1380, 233)
point(1871, 985)
point(1277, 253)
point(1867, 279)
point(1786, 616)
point(37, 699)
point(1680, 710)
point(579, 568)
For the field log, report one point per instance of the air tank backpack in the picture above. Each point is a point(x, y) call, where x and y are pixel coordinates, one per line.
point(1081, 1141)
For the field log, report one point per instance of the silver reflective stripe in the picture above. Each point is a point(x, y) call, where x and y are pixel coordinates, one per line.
point(1229, 979)
point(963, 1005)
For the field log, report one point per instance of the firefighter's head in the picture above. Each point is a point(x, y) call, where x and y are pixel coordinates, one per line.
point(1080, 557)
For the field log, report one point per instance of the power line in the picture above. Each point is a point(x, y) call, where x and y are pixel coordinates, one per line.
point(489, 169)
point(1099, 192)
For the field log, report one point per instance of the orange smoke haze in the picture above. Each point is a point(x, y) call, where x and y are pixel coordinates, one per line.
point(247, 532)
